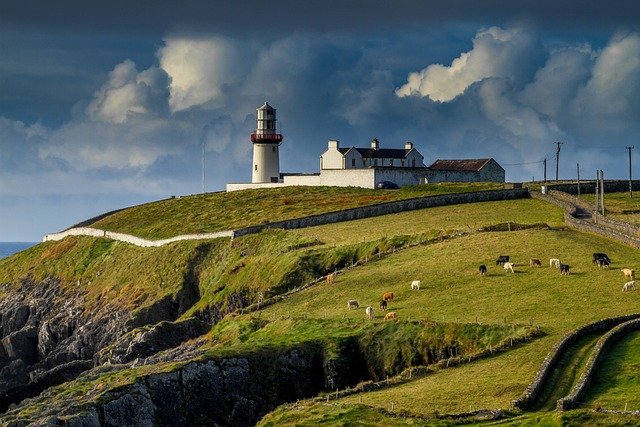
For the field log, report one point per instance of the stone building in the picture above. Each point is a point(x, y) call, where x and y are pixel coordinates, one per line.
point(465, 170)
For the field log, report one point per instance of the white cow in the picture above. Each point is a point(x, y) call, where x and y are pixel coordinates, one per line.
point(554, 262)
point(369, 312)
point(508, 266)
point(415, 285)
point(352, 304)
point(629, 286)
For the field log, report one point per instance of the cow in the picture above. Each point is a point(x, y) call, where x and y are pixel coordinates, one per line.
point(629, 286)
point(383, 305)
point(554, 262)
point(352, 304)
point(369, 312)
point(601, 262)
point(600, 255)
point(330, 278)
point(508, 266)
point(415, 285)
point(502, 259)
point(564, 269)
point(390, 315)
point(387, 296)
point(482, 269)
point(535, 262)
point(628, 273)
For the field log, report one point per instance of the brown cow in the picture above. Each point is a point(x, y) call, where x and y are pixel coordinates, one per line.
point(330, 278)
point(387, 296)
point(390, 315)
point(628, 273)
point(535, 262)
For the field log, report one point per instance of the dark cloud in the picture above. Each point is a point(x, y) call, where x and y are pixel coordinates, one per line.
point(281, 16)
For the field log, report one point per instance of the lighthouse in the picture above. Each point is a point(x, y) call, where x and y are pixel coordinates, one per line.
point(266, 145)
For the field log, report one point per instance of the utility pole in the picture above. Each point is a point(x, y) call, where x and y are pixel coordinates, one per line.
point(630, 147)
point(597, 195)
point(203, 140)
point(578, 168)
point(545, 170)
point(558, 143)
point(602, 191)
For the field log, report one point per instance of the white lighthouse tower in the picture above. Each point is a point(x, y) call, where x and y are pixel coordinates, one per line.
point(266, 144)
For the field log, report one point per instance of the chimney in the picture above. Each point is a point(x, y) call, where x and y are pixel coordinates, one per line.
point(375, 144)
point(334, 143)
point(408, 145)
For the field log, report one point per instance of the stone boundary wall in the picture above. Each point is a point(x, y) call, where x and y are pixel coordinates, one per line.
point(389, 208)
point(622, 227)
point(589, 187)
point(603, 345)
point(616, 230)
point(127, 238)
point(534, 389)
point(326, 218)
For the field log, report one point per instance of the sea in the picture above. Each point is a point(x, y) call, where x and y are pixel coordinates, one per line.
point(10, 248)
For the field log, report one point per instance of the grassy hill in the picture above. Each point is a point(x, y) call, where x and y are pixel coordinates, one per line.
point(441, 246)
point(224, 211)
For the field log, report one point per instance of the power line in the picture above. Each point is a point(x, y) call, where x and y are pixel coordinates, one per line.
point(524, 163)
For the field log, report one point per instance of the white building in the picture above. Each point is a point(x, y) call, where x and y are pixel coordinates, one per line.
point(356, 167)
point(362, 158)
point(266, 146)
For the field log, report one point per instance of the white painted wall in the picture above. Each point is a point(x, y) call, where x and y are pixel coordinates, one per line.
point(247, 186)
point(266, 163)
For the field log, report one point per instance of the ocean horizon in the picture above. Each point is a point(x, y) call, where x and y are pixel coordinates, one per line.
point(10, 248)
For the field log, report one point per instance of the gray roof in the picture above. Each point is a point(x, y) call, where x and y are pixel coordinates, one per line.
point(459, 165)
point(381, 153)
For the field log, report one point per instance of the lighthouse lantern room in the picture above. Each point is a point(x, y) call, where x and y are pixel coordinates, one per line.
point(266, 144)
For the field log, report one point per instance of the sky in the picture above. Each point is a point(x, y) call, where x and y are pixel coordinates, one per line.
point(107, 104)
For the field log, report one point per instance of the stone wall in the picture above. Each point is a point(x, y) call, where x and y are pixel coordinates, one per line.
point(138, 241)
point(626, 233)
point(532, 392)
point(389, 208)
point(588, 187)
point(603, 345)
point(327, 218)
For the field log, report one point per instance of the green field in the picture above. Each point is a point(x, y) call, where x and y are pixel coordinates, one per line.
point(224, 211)
point(619, 206)
point(617, 380)
point(453, 291)
point(442, 247)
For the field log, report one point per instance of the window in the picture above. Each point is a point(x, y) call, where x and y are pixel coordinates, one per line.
point(364, 162)
point(255, 167)
point(375, 162)
point(353, 163)
point(413, 162)
point(274, 149)
point(402, 162)
point(390, 162)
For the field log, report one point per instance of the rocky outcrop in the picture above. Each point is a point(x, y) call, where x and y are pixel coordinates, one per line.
point(235, 391)
point(48, 338)
point(144, 342)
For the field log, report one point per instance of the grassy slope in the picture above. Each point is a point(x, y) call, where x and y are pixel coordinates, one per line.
point(619, 206)
point(223, 211)
point(618, 377)
point(108, 271)
point(453, 291)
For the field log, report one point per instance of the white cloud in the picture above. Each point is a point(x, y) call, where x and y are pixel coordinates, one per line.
point(200, 68)
point(496, 53)
point(128, 92)
point(613, 91)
